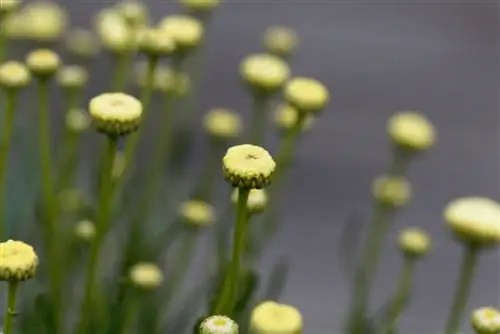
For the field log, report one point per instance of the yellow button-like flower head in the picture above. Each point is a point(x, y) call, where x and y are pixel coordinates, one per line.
point(306, 95)
point(264, 72)
point(273, 318)
point(218, 324)
point(411, 130)
point(222, 123)
point(197, 213)
point(114, 33)
point(414, 242)
point(286, 118)
point(474, 220)
point(43, 63)
point(280, 41)
point(72, 77)
point(135, 13)
point(85, 230)
point(187, 32)
point(146, 276)
point(14, 75)
point(155, 42)
point(44, 20)
point(256, 202)
point(486, 320)
point(248, 166)
point(77, 120)
point(18, 261)
point(115, 114)
point(392, 191)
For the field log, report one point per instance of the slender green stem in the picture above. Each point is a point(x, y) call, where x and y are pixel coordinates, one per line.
point(8, 122)
point(3, 39)
point(258, 124)
point(121, 64)
point(131, 308)
point(467, 272)
point(401, 297)
point(10, 312)
point(102, 224)
point(227, 299)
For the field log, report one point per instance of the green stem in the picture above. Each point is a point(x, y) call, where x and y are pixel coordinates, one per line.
point(467, 271)
point(122, 64)
point(227, 299)
point(102, 224)
point(8, 122)
point(258, 124)
point(3, 39)
point(131, 309)
point(206, 184)
point(401, 297)
point(10, 312)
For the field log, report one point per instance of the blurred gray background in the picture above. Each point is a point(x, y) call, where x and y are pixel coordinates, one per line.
point(377, 57)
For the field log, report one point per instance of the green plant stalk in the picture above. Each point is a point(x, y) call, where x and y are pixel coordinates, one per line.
point(258, 123)
point(10, 312)
point(122, 62)
point(208, 179)
point(3, 39)
point(467, 272)
point(401, 297)
point(102, 224)
point(8, 123)
point(227, 298)
point(131, 309)
point(48, 197)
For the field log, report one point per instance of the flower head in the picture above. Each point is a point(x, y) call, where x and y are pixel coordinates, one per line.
point(155, 42)
point(14, 26)
point(146, 276)
point(411, 131)
point(14, 75)
point(256, 202)
point(77, 120)
point(115, 113)
point(187, 32)
point(44, 20)
point(306, 95)
point(72, 77)
point(197, 213)
point(474, 220)
point(280, 41)
point(165, 80)
point(264, 72)
point(273, 318)
point(486, 320)
point(115, 35)
point(222, 123)
point(286, 118)
point(82, 43)
point(218, 324)
point(18, 261)
point(43, 62)
point(135, 13)
point(414, 242)
point(197, 6)
point(248, 166)
point(85, 230)
point(8, 6)
point(392, 191)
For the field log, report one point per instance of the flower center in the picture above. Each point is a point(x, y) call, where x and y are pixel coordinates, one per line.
point(220, 322)
point(252, 157)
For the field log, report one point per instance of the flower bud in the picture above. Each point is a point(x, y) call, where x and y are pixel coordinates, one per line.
point(414, 242)
point(187, 32)
point(43, 63)
point(197, 213)
point(218, 324)
point(392, 191)
point(45, 21)
point(248, 166)
point(411, 131)
point(222, 123)
point(135, 13)
point(280, 41)
point(72, 77)
point(18, 261)
point(155, 42)
point(256, 202)
point(14, 75)
point(264, 73)
point(85, 231)
point(115, 35)
point(306, 95)
point(474, 220)
point(273, 318)
point(146, 276)
point(82, 43)
point(486, 320)
point(115, 114)
point(77, 120)
point(286, 118)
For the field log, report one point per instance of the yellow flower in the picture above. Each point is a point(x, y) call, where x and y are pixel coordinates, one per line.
point(14, 26)
point(85, 230)
point(72, 77)
point(8, 6)
point(222, 123)
point(393, 191)
point(115, 35)
point(43, 62)
point(286, 118)
point(77, 120)
point(165, 80)
point(218, 324)
point(256, 202)
point(264, 72)
point(115, 113)
point(474, 220)
point(411, 130)
point(414, 242)
point(307, 95)
point(18, 261)
point(200, 5)
point(82, 43)
point(187, 32)
point(135, 13)
point(486, 320)
point(280, 41)
point(146, 276)
point(197, 213)
point(155, 42)
point(44, 20)
point(248, 166)
point(273, 318)
point(14, 75)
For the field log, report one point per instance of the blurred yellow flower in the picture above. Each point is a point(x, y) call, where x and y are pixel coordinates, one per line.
point(414, 242)
point(115, 35)
point(306, 94)
point(411, 130)
point(286, 118)
point(146, 276)
point(44, 20)
point(186, 31)
point(393, 191)
point(85, 230)
point(274, 318)
point(200, 5)
point(222, 123)
point(8, 6)
point(77, 120)
point(14, 75)
point(264, 72)
point(197, 213)
point(155, 42)
point(486, 320)
point(72, 76)
point(280, 41)
point(43, 62)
